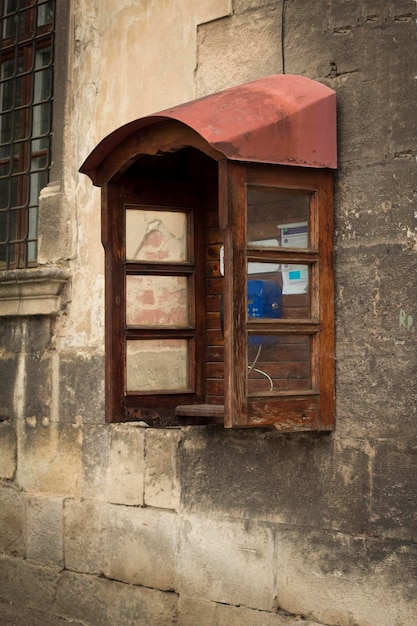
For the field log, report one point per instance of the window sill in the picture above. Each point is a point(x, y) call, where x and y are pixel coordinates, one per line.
point(210, 411)
point(38, 291)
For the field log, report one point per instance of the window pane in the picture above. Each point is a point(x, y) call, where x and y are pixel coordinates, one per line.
point(156, 235)
point(32, 251)
point(43, 85)
point(157, 301)
point(7, 68)
point(277, 218)
point(45, 13)
point(40, 144)
point(39, 162)
point(5, 167)
point(4, 193)
point(13, 221)
point(278, 291)
point(41, 120)
point(9, 26)
point(3, 227)
point(6, 127)
point(43, 57)
point(37, 182)
point(279, 363)
point(33, 222)
point(157, 365)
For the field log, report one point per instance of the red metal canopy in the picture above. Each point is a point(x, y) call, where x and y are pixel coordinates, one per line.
point(281, 119)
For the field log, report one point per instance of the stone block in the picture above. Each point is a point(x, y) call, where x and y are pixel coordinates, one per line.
point(11, 334)
point(8, 444)
point(377, 199)
point(49, 458)
point(45, 530)
point(162, 487)
point(394, 493)
point(240, 6)
point(192, 611)
point(375, 341)
point(54, 225)
point(304, 480)
point(100, 602)
point(81, 393)
point(373, 391)
point(84, 523)
point(9, 363)
point(227, 561)
point(403, 85)
point(28, 334)
point(335, 578)
point(125, 478)
point(27, 584)
point(350, 48)
point(38, 391)
point(95, 461)
point(12, 522)
point(307, 50)
point(141, 546)
point(238, 49)
point(39, 334)
point(343, 14)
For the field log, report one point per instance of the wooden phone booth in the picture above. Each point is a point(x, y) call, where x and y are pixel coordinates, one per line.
point(217, 229)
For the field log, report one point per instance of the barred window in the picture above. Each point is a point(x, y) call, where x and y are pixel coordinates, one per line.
point(26, 92)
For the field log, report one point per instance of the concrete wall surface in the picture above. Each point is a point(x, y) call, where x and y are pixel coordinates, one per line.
point(119, 524)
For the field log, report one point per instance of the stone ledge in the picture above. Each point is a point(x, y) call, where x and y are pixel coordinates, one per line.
point(37, 291)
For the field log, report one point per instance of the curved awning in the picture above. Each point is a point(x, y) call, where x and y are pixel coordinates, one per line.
point(281, 119)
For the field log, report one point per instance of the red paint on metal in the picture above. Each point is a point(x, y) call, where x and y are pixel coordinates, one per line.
point(281, 119)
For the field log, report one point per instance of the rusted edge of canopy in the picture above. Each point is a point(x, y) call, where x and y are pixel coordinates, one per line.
point(281, 119)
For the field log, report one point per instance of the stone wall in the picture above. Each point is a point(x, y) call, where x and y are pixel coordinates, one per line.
point(118, 524)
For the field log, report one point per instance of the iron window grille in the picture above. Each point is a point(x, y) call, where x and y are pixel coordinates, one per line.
point(27, 33)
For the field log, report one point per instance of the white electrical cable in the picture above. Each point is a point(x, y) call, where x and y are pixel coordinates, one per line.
point(252, 368)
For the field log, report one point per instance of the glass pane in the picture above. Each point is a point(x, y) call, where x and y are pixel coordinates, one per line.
point(277, 218)
point(4, 193)
point(32, 251)
point(3, 255)
point(157, 365)
point(24, 22)
point(41, 120)
point(22, 95)
point(13, 220)
point(5, 168)
point(37, 182)
point(10, 6)
point(18, 158)
point(18, 191)
point(278, 291)
point(6, 127)
point(21, 129)
point(7, 95)
point(43, 85)
point(33, 222)
point(45, 13)
point(7, 68)
point(3, 227)
point(9, 26)
point(11, 254)
point(39, 162)
point(156, 235)
point(40, 144)
point(43, 57)
point(279, 363)
point(157, 301)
